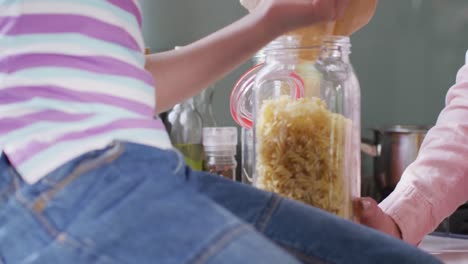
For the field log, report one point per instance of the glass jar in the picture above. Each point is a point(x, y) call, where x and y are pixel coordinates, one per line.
point(306, 120)
point(220, 145)
point(185, 130)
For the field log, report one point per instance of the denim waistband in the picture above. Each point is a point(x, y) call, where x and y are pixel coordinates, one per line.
point(11, 181)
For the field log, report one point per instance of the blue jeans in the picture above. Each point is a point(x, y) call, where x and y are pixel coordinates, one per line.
point(135, 204)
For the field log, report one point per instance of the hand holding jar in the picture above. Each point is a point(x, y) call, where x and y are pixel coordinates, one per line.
point(355, 16)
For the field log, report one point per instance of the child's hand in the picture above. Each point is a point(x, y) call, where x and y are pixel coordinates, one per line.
point(286, 15)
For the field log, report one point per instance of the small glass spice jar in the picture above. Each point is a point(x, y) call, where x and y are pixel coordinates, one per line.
point(220, 144)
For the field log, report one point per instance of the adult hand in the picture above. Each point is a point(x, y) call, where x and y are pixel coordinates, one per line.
point(369, 213)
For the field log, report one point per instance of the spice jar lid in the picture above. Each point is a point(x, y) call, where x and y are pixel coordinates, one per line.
point(220, 139)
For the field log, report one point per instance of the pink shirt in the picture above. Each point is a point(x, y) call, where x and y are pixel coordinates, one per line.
point(436, 184)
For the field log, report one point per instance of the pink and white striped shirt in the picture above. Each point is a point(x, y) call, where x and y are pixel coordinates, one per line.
point(72, 80)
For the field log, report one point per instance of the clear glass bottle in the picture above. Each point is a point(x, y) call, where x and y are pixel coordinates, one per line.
point(185, 130)
point(204, 106)
point(306, 120)
point(220, 145)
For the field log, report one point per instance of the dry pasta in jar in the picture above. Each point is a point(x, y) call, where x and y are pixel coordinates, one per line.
point(300, 152)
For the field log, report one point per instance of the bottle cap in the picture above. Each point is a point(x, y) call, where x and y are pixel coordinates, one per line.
point(222, 139)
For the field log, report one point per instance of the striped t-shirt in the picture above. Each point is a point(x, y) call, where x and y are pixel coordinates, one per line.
point(72, 80)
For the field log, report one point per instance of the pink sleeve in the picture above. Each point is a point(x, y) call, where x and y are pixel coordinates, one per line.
point(435, 184)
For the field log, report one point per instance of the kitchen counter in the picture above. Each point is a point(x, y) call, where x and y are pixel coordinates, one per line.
point(451, 250)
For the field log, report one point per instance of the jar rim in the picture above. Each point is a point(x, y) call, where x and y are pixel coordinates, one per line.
point(294, 42)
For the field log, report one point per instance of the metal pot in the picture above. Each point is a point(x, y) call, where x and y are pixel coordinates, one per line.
point(393, 149)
